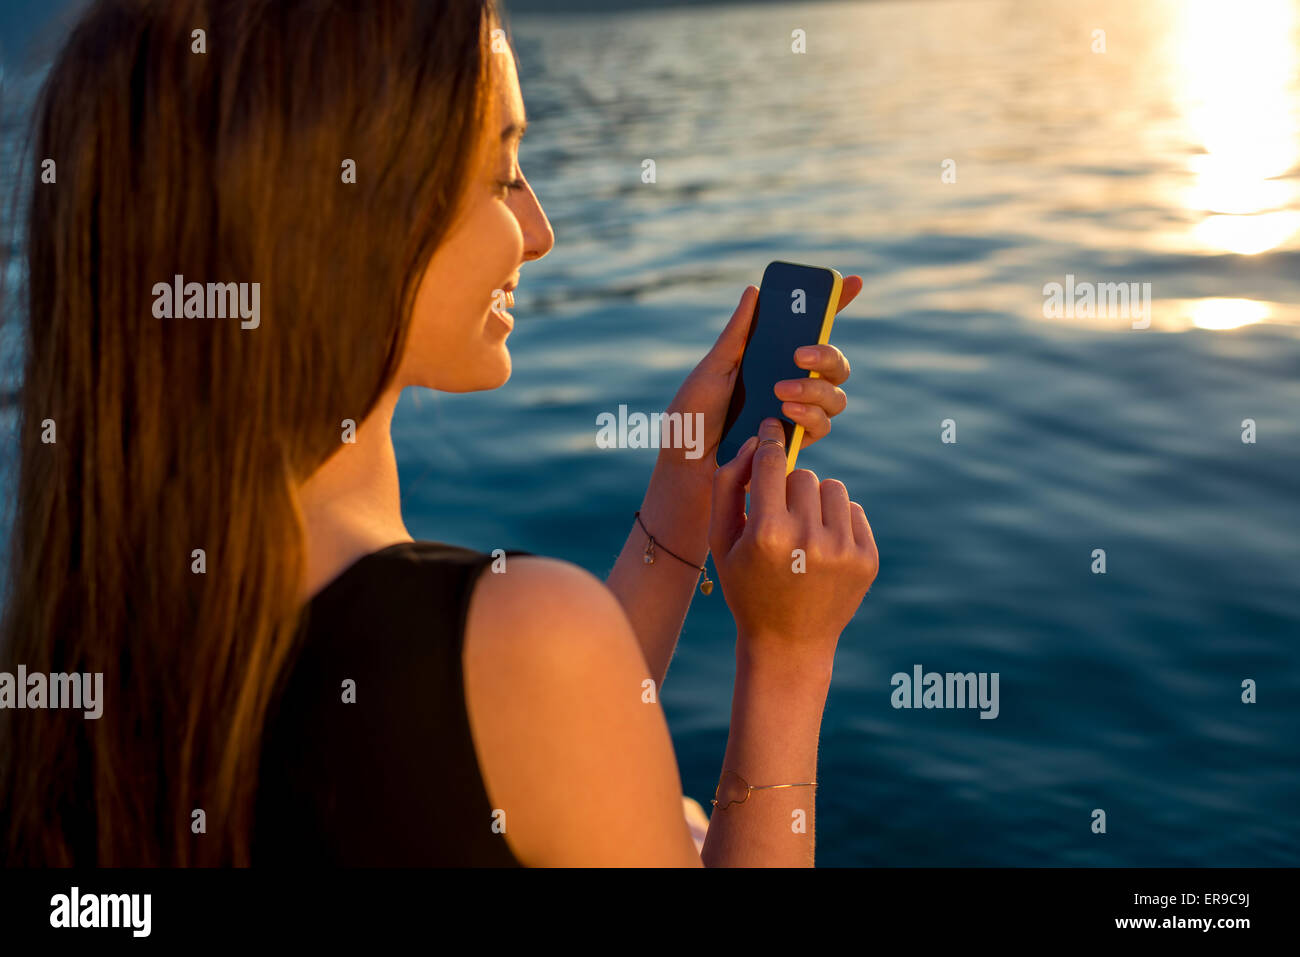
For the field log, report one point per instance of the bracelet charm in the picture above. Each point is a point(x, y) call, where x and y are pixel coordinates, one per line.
point(648, 556)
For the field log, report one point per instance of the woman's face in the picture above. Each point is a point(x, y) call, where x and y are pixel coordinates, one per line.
point(457, 340)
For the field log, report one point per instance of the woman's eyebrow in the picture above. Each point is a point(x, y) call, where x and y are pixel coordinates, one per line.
point(514, 130)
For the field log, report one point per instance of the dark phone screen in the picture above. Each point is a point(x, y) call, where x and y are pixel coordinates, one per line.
point(784, 320)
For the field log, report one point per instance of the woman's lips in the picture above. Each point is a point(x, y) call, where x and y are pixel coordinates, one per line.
point(500, 312)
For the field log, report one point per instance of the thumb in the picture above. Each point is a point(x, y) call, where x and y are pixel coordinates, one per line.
point(727, 518)
point(726, 352)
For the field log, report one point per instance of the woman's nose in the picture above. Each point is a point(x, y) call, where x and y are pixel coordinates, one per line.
point(538, 235)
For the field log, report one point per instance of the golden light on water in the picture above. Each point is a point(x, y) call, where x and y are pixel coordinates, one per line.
point(1248, 235)
point(1237, 65)
point(1227, 313)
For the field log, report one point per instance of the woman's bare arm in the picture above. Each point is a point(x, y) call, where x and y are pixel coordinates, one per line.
point(776, 717)
point(656, 597)
point(578, 755)
point(571, 746)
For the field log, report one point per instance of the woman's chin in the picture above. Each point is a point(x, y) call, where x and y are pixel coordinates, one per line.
point(497, 367)
point(503, 371)
point(490, 370)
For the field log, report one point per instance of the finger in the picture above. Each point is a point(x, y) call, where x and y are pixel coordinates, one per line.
point(819, 392)
point(727, 518)
point(837, 516)
point(824, 359)
point(849, 290)
point(767, 479)
point(814, 421)
point(804, 497)
point(726, 352)
point(862, 534)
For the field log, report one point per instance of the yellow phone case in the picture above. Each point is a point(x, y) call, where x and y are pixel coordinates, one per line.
point(832, 306)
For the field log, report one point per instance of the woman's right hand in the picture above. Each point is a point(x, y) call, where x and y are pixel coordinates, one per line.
point(789, 609)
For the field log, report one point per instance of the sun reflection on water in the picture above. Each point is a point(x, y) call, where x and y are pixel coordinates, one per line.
point(1237, 67)
point(1227, 313)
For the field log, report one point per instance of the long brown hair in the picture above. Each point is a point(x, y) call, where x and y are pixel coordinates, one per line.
point(178, 434)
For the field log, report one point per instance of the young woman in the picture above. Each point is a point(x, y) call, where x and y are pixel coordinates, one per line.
point(287, 676)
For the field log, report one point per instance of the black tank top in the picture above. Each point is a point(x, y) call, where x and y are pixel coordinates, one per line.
point(392, 779)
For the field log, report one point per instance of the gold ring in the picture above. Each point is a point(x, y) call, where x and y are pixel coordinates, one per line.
point(776, 442)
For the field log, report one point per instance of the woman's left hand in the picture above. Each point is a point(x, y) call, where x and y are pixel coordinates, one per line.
point(809, 402)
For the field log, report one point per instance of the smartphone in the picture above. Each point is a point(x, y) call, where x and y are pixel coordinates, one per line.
point(796, 307)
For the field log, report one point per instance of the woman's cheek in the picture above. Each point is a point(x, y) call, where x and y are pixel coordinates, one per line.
point(511, 237)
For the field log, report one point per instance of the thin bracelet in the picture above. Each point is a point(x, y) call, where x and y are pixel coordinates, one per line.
point(754, 787)
point(706, 586)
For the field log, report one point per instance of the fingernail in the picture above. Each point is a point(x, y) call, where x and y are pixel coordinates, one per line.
point(805, 354)
point(749, 443)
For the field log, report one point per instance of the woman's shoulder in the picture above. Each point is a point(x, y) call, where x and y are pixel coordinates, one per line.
point(519, 588)
point(410, 572)
point(544, 615)
point(528, 681)
point(571, 744)
point(514, 577)
point(496, 605)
